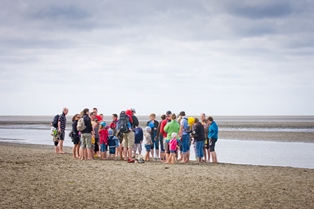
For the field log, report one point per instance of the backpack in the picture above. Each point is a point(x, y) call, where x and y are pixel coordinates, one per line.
point(188, 127)
point(81, 124)
point(55, 121)
point(123, 122)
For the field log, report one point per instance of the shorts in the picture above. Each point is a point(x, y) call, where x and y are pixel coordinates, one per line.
point(166, 146)
point(103, 148)
point(96, 149)
point(185, 143)
point(199, 151)
point(112, 151)
point(76, 140)
point(206, 145)
point(62, 135)
point(128, 140)
point(56, 143)
point(86, 141)
point(172, 151)
point(147, 147)
point(136, 147)
point(212, 144)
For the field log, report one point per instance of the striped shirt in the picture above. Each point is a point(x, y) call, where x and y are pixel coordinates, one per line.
point(63, 121)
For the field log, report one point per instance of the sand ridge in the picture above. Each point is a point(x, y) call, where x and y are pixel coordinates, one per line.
point(32, 176)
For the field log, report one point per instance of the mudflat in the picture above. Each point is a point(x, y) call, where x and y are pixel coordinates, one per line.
point(32, 176)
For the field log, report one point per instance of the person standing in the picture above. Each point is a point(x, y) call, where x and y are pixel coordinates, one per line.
point(61, 128)
point(172, 127)
point(185, 138)
point(213, 137)
point(160, 139)
point(199, 138)
point(153, 124)
point(75, 136)
point(204, 122)
point(135, 122)
point(164, 133)
point(86, 136)
point(99, 118)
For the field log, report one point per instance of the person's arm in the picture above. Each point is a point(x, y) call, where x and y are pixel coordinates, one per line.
point(181, 128)
point(166, 128)
point(210, 132)
point(59, 124)
point(158, 131)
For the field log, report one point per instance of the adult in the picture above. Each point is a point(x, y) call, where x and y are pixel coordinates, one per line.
point(164, 133)
point(61, 128)
point(128, 138)
point(99, 118)
point(75, 136)
point(213, 137)
point(171, 127)
point(199, 138)
point(160, 139)
point(204, 122)
point(153, 124)
point(86, 136)
point(185, 137)
point(135, 122)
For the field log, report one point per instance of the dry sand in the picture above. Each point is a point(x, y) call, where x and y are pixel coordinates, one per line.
point(32, 176)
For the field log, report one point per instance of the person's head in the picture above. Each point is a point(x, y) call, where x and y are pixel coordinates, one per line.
point(76, 117)
point(110, 132)
point(101, 116)
point(168, 114)
point(203, 117)
point(210, 119)
point(65, 111)
point(174, 135)
point(163, 117)
point(152, 116)
point(148, 129)
point(102, 125)
point(114, 116)
point(173, 116)
point(179, 118)
point(86, 111)
point(196, 120)
point(182, 113)
point(92, 116)
point(95, 110)
point(133, 111)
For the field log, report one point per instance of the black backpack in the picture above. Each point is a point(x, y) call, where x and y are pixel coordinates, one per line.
point(123, 122)
point(55, 121)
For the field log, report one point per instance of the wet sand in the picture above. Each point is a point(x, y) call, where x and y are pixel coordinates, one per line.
point(32, 176)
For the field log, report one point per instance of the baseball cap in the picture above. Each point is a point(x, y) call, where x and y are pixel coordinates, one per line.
point(133, 110)
point(103, 124)
point(168, 112)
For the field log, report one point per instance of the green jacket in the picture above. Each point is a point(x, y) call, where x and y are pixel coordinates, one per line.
point(172, 127)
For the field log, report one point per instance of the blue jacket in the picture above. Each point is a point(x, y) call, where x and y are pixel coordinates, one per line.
point(213, 131)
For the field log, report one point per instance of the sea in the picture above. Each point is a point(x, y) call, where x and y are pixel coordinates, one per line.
point(36, 130)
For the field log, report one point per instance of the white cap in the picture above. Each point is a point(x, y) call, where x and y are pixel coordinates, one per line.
point(174, 135)
point(133, 110)
point(147, 128)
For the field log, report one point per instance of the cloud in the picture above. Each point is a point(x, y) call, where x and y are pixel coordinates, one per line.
point(249, 57)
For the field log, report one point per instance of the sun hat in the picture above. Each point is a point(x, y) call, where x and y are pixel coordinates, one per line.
point(174, 135)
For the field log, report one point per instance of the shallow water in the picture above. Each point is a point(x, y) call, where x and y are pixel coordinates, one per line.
point(291, 154)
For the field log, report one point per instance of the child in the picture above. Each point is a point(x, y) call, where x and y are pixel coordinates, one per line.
point(103, 140)
point(112, 143)
point(147, 142)
point(138, 141)
point(153, 124)
point(173, 145)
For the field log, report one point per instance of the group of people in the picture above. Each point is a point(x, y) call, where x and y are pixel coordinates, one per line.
point(168, 140)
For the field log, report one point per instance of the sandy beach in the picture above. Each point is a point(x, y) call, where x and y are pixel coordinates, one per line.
point(32, 176)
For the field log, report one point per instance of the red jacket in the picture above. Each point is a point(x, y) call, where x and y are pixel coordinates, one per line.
point(162, 126)
point(103, 136)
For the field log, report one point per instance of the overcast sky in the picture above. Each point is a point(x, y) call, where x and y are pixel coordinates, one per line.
point(217, 57)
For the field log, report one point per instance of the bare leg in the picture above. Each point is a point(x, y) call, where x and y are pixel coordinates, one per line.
point(130, 153)
point(214, 156)
point(57, 149)
point(205, 154)
point(125, 150)
point(208, 151)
